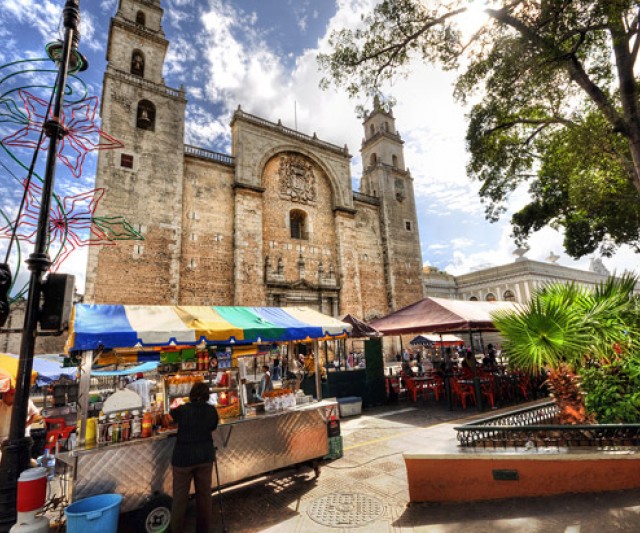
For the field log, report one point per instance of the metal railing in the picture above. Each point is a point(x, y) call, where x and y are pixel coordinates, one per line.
point(209, 154)
point(291, 132)
point(526, 428)
point(373, 200)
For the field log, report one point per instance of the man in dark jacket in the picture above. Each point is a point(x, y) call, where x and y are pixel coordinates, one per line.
point(193, 457)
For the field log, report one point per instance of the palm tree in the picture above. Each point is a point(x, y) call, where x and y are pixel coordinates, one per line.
point(564, 328)
point(565, 323)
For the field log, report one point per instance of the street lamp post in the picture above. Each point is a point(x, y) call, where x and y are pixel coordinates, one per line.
point(16, 450)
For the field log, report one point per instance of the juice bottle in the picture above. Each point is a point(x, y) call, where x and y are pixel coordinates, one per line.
point(147, 424)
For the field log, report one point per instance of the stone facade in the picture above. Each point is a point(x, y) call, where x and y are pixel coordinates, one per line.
point(276, 222)
point(511, 282)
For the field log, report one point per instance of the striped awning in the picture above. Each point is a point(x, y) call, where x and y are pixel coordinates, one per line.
point(125, 326)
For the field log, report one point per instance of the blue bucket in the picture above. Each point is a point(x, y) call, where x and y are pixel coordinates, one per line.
point(97, 514)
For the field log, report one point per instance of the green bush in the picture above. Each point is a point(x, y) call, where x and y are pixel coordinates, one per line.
point(613, 391)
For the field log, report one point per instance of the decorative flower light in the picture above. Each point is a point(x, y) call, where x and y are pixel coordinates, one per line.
point(78, 120)
point(72, 223)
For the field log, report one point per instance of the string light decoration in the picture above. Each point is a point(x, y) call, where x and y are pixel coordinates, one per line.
point(78, 120)
point(73, 223)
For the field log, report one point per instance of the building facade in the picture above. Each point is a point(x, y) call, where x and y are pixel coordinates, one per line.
point(276, 222)
point(510, 282)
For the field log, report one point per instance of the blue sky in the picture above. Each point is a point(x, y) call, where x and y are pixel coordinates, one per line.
point(260, 54)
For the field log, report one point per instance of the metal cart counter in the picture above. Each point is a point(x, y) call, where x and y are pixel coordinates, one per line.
point(247, 447)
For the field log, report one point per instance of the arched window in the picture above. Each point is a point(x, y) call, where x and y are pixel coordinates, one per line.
point(137, 63)
point(146, 115)
point(298, 224)
point(372, 129)
point(509, 296)
point(490, 297)
point(473, 299)
point(373, 160)
point(140, 18)
point(394, 161)
point(386, 126)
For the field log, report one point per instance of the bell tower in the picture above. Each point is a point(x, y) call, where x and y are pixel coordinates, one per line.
point(143, 180)
point(385, 177)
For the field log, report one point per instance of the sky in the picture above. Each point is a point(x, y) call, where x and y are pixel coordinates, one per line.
point(261, 54)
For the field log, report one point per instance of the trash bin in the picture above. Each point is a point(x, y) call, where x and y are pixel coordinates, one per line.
point(97, 514)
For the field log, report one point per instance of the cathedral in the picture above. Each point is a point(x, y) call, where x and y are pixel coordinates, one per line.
point(276, 222)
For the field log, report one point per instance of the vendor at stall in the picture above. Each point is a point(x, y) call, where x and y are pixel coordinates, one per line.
point(6, 408)
point(266, 383)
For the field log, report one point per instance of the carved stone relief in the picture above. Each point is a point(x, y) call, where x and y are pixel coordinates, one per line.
point(297, 179)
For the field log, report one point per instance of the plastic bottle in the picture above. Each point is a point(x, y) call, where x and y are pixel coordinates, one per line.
point(116, 432)
point(112, 419)
point(136, 425)
point(102, 429)
point(126, 427)
point(147, 424)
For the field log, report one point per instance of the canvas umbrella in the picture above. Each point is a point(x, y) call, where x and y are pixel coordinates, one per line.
point(9, 366)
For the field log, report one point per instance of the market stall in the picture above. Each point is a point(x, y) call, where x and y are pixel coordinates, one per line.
point(193, 343)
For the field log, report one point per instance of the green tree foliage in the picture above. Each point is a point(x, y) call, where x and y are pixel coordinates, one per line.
point(568, 324)
point(556, 103)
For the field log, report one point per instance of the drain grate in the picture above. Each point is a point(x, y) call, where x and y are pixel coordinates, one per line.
point(345, 510)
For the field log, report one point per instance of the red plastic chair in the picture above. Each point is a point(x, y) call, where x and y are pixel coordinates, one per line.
point(57, 431)
point(462, 391)
point(436, 386)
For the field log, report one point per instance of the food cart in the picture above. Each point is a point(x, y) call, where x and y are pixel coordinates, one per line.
point(248, 445)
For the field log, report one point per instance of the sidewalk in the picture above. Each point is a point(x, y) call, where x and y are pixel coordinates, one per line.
point(366, 490)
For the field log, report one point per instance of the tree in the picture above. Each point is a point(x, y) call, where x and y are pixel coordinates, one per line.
point(556, 103)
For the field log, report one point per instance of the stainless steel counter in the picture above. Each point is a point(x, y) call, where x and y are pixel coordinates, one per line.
point(247, 447)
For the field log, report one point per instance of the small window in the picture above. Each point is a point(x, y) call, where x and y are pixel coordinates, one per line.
point(372, 129)
point(386, 126)
point(140, 18)
point(126, 161)
point(509, 296)
point(490, 297)
point(297, 222)
point(137, 63)
point(146, 115)
point(407, 225)
point(394, 161)
point(373, 160)
point(473, 299)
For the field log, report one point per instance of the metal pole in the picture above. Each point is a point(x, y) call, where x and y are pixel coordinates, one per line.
point(476, 379)
point(16, 450)
point(83, 394)
point(317, 364)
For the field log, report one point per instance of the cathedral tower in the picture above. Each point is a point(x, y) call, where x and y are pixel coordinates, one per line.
point(385, 177)
point(143, 180)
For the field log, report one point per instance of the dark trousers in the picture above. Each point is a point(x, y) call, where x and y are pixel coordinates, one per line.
point(182, 476)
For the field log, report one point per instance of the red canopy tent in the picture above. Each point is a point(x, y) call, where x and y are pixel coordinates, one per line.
point(440, 315)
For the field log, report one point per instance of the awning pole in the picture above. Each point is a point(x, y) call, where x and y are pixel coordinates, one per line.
point(447, 373)
point(476, 378)
point(317, 363)
point(83, 394)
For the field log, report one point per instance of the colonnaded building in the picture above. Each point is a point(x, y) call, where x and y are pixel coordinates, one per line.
point(276, 222)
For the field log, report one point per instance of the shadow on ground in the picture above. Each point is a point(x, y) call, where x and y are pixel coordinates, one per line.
point(584, 513)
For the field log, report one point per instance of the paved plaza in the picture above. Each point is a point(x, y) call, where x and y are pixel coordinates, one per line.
point(368, 487)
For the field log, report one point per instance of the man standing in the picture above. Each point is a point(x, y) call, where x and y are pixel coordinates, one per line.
point(6, 408)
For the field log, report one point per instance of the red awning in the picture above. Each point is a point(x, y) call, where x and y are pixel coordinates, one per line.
point(441, 315)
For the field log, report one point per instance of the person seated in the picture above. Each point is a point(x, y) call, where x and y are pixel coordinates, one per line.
point(407, 371)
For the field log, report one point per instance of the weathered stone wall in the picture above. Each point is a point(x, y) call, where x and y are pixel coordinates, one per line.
point(320, 246)
point(248, 253)
point(207, 257)
point(349, 266)
point(149, 196)
point(371, 260)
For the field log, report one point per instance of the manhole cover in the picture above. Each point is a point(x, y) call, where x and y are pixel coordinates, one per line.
point(345, 510)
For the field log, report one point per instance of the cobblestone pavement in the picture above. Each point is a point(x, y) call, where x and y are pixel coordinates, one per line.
point(369, 484)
